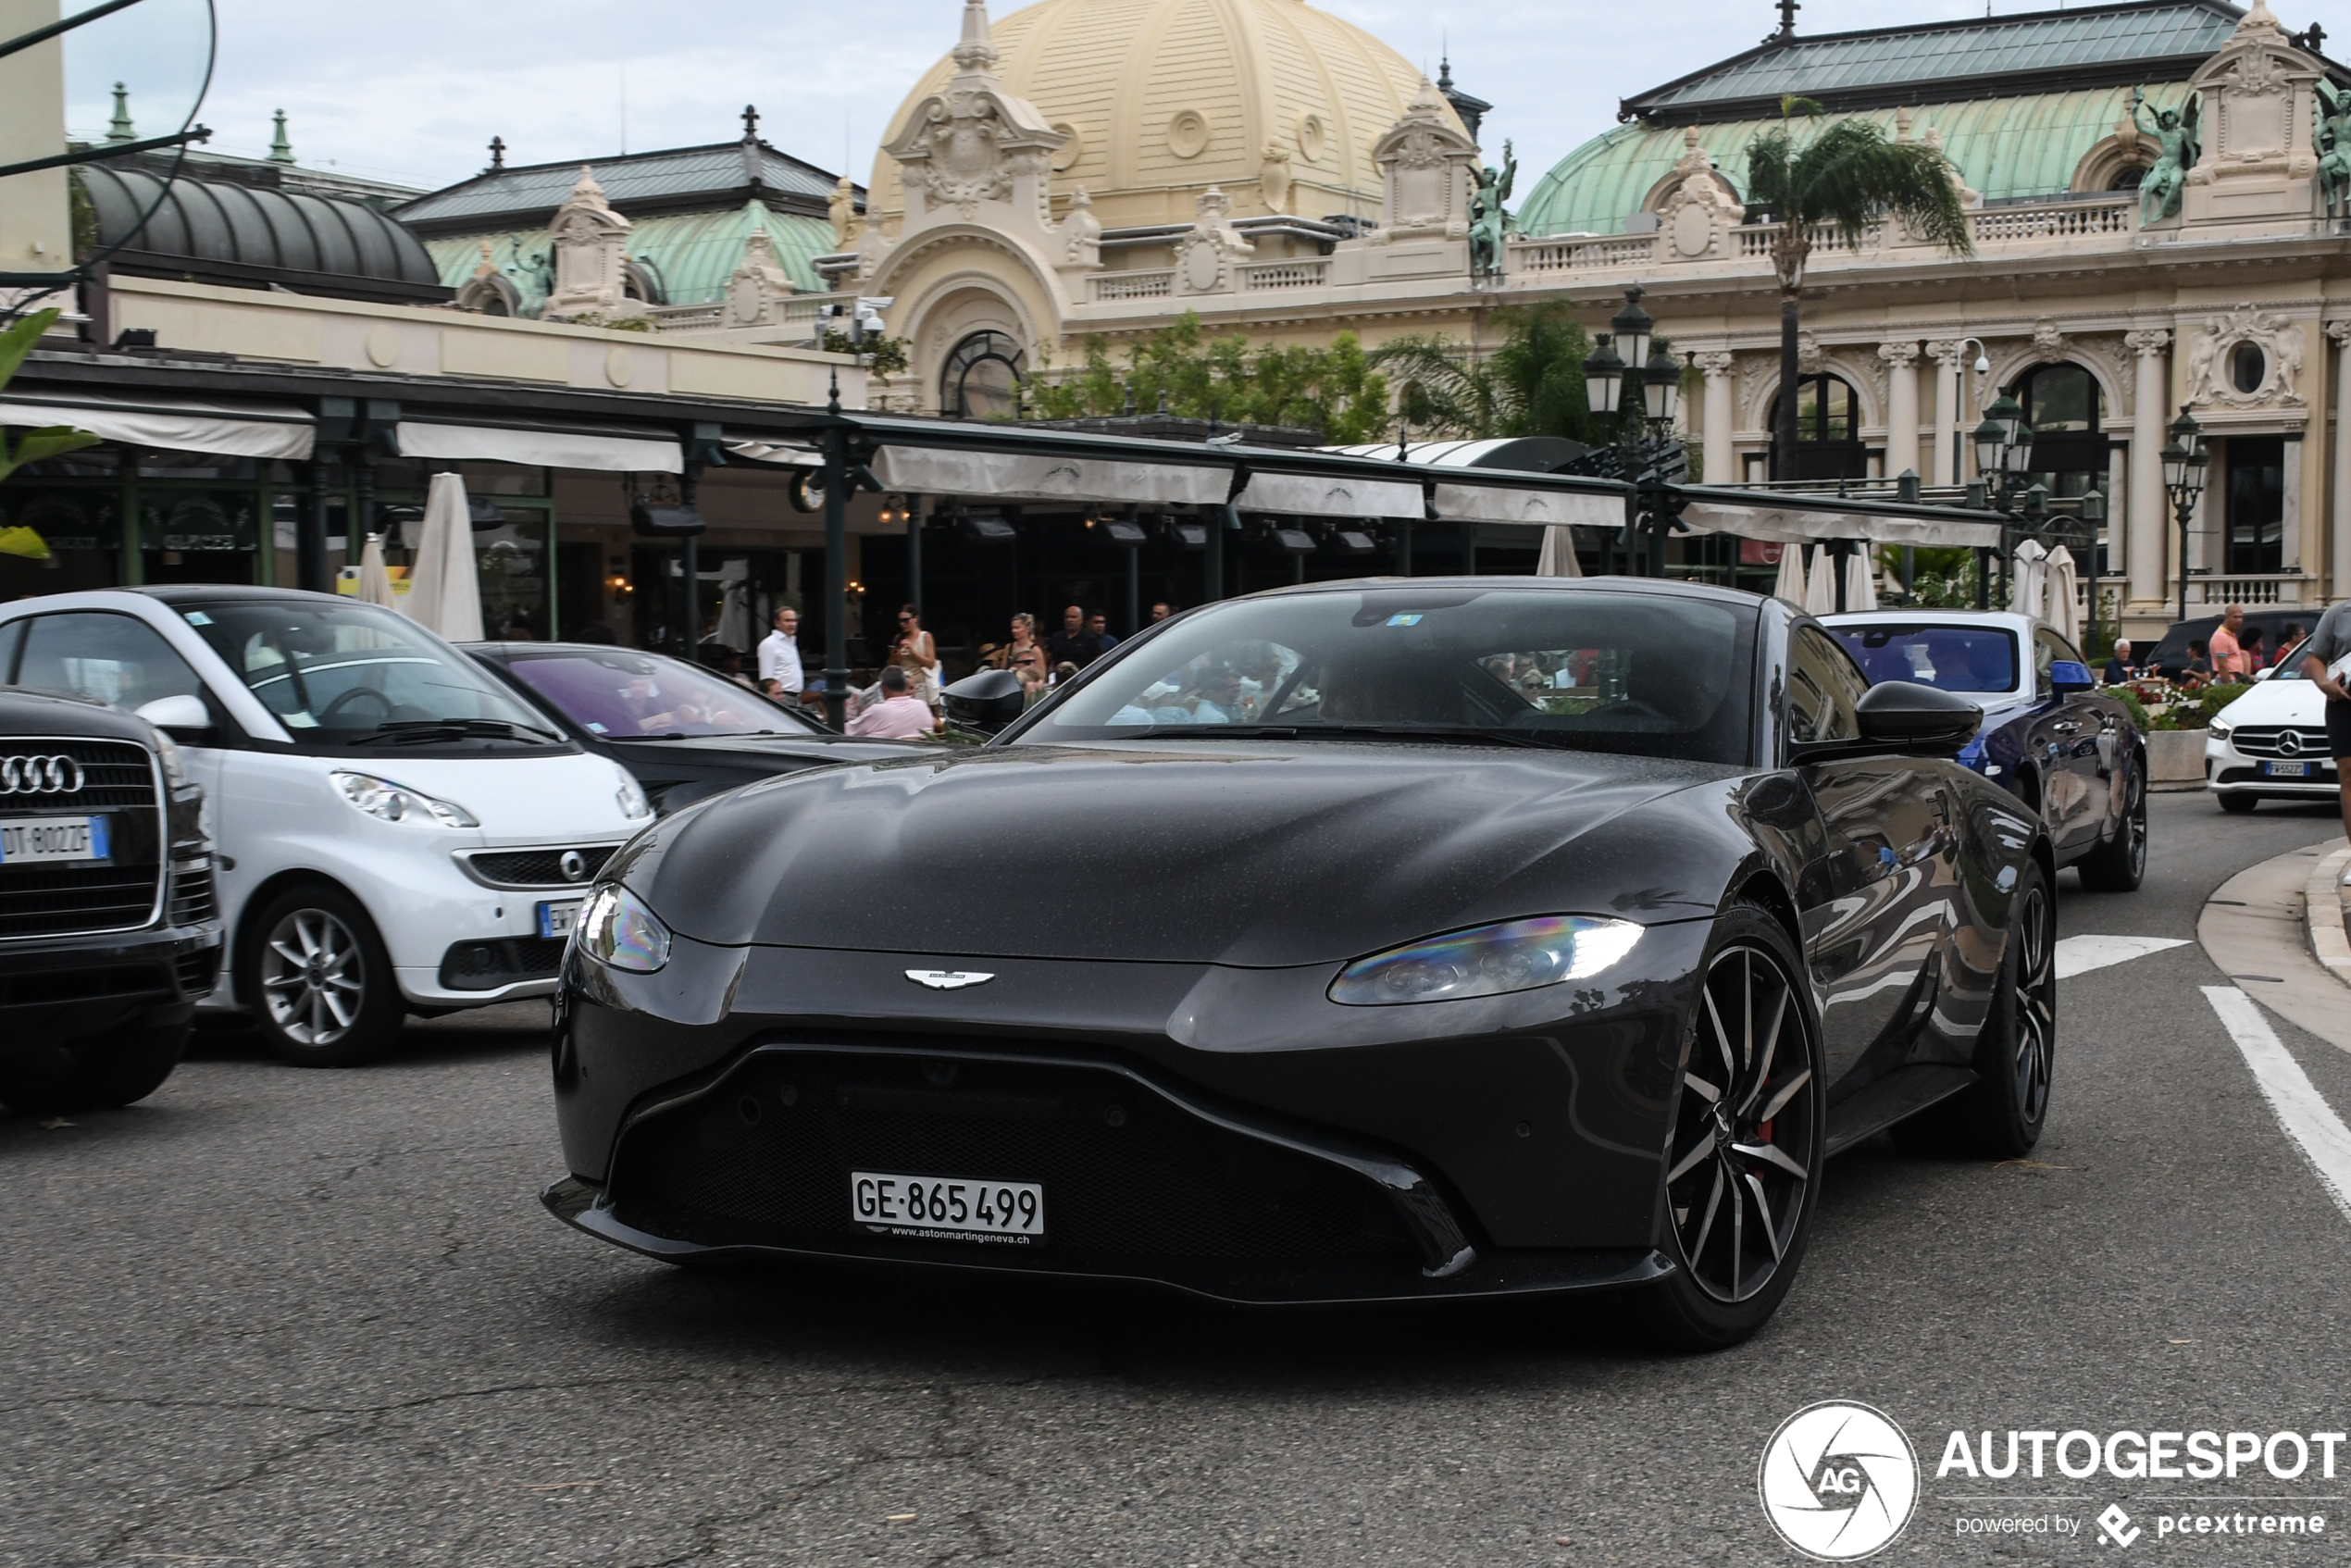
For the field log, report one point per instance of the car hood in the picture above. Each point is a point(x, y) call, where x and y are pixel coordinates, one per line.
point(2278, 702)
point(799, 750)
point(545, 798)
point(1231, 853)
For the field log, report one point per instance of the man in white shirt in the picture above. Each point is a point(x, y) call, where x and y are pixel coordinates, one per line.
point(780, 672)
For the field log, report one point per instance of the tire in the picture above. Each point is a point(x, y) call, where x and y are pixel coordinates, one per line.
point(2237, 803)
point(1765, 1094)
point(318, 981)
point(118, 1067)
point(2119, 865)
point(2000, 1117)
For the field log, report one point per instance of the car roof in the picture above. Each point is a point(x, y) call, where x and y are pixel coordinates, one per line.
point(216, 592)
point(1924, 615)
point(1668, 586)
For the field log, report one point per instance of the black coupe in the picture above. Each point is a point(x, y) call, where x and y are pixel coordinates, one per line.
point(1414, 938)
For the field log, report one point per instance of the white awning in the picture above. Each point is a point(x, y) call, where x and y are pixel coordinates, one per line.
point(1792, 524)
point(776, 452)
point(1317, 495)
point(260, 430)
point(1497, 504)
point(541, 449)
point(937, 470)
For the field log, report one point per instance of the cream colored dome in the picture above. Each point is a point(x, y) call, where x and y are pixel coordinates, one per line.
point(1163, 98)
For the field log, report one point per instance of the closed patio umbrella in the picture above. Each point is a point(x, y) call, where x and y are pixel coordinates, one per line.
point(2059, 580)
point(1559, 553)
point(375, 580)
point(2028, 573)
point(444, 593)
point(1861, 580)
point(1790, 585)
point(1820, 583)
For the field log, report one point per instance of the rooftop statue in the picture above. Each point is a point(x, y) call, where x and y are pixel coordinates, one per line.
point(2332, 139)
point(2176, 130)
point(1488, 220)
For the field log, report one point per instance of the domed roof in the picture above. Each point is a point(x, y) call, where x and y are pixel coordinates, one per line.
point(1163, 98)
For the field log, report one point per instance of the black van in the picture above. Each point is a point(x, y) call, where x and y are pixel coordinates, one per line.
point(2169, 658)
point(108, 933)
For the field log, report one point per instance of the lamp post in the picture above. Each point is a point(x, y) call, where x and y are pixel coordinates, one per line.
point(2003, 461)
point(2183, 470)
point(1631, 380)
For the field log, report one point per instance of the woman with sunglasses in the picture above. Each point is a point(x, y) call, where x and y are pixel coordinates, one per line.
point(918, 656)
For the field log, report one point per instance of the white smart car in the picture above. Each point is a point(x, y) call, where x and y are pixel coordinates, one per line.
point(396, 833)
point(2270, 744)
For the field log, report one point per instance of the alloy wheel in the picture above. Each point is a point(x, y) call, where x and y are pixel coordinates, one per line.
point(2134, 823)
point(1745, 1134)
point(2036, 1042)
point(313, 977)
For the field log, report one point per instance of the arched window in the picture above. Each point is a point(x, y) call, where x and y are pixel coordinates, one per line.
point(1828, 429)
point(982, 378)
point(2066, 407)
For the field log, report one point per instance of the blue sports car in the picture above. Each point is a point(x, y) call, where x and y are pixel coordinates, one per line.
point(2050, 738)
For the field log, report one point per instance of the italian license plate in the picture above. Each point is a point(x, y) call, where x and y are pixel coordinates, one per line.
point(27, 840)
point(947, 1208)
point(557, 919)
point(2286, 769)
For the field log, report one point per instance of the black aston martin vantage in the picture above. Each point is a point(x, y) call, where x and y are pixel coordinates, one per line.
point(1404, 938)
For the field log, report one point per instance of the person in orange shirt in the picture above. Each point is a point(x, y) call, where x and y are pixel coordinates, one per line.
point(2228, 656)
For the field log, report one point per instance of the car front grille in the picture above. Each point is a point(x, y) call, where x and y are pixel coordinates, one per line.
point(505, 960)
point(1130, 1176)
point(73, 897)
point(540, 868)
point(2268, 740)
point(191, 896)
point(199, 971)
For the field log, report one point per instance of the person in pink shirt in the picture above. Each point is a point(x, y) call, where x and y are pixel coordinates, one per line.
point(2228, 657)
point(900, 715)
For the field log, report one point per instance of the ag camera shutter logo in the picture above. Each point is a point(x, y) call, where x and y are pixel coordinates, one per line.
point(1839, 1481)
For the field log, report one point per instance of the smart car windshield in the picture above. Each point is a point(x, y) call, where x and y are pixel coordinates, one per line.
point(1951, 658)
point(620, 694)
point(1613, 670)
point(359, 675)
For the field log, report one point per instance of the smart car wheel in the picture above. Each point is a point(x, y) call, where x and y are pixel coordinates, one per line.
point(2120, 865)
point(318, 981)
point(1745, 1160)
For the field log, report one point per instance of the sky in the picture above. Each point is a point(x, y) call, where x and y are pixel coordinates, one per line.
point(413, 90)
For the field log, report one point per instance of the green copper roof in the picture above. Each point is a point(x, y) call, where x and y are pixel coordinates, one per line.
point(692, 254)
point(2004, 147)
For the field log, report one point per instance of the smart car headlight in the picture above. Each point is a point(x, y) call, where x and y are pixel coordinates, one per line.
point(615, 929)
point(397, 802)
point(631, 796)
point(1517, 955)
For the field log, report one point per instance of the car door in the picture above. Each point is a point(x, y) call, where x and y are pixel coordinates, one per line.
point(2063, 741)
point(1874, 940)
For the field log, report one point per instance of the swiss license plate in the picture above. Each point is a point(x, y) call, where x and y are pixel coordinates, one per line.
point(2286, 769)
point(26, 839)
point(557, 919)
point(948, 1209)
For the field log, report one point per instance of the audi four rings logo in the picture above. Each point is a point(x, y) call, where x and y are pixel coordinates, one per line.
point(39, 776)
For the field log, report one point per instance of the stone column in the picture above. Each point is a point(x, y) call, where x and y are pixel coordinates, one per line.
point(2339, 564)
point(2150, 531)
point(1901, 409)
point(1719, 455)
point(1945, 355)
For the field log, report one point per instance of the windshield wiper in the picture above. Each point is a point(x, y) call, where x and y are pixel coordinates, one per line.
point(1359, 731)
point(423, 731)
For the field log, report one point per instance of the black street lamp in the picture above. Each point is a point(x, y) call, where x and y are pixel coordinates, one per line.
point(2184, 470)
point(1630, 378)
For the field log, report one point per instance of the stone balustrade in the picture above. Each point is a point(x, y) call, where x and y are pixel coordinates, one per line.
point(1155, 284)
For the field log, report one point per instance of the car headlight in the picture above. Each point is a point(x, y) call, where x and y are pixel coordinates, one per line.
point(615, 929)
point(2219, 731)
point(175, 768)
point(397, 802)
point(631, 796)
point(1518, 955)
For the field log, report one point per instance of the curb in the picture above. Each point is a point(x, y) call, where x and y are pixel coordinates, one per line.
point(2255, 929)
point(2322, 914)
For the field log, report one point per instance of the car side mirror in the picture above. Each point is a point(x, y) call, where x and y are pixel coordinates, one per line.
point(185, 717)
point(1905, 715)
point(986, 702)
point(2066, 677)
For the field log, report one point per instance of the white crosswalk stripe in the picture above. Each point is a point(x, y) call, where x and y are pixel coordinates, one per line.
point(2308, 1120)
point(2079, 955)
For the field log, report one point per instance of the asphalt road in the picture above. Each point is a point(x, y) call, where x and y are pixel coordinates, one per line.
point(278, 1317)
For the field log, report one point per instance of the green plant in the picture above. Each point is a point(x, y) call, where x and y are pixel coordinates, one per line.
point(1333, 390)
point(49, 441)
point(1532, 384)
point(2138, 710)
point(883, 356)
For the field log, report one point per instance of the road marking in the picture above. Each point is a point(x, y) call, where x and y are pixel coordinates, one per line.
point(2079, 955)
point(2301, 1110)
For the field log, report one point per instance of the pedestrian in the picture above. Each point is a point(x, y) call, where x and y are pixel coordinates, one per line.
point(2289, 646)
point(1073, 643)
point(1161, 610)
point(2199, 668)
point(1098, 625)
point(780, 673)
point(900, 715)
point(918, 656)
point(2249, 642)
point(2227, 654)
point(2118, 667)
point(1024, 640)
point(2326, 659)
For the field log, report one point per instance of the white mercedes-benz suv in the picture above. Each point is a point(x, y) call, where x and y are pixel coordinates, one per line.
point(395, 832)
point(2270, 744)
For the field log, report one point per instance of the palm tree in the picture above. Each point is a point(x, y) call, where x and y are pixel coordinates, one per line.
point(1844, 178)
point(1531, 384)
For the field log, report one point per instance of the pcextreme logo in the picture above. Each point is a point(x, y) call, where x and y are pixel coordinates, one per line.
point(1839, 1481)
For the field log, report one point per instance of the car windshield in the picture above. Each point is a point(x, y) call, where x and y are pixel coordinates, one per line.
point(620, 694)
point(1951, 658)
point(354, 674)
point(1612, 670)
